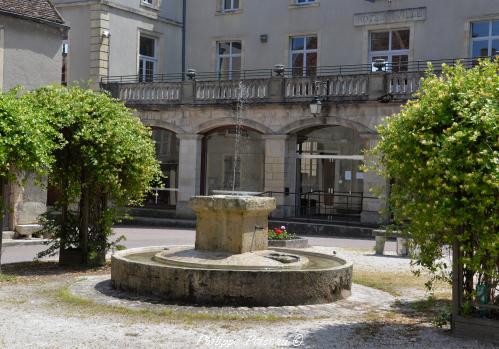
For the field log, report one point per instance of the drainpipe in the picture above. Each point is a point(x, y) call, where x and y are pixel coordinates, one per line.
point(184, 16)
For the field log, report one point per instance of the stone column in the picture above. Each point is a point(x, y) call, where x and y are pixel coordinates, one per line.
point(279, 176)
point(373, 185)
point(189, 172)
point(99, 43)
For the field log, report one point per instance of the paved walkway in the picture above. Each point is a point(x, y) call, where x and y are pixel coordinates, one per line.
point(143, 236)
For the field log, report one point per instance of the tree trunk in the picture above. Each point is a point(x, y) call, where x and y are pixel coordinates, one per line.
point(457, 281)
point(84, 216)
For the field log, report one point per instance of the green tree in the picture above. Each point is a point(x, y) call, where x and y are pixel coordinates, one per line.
point(106, 161)
point(442, 154)
point(26, 143)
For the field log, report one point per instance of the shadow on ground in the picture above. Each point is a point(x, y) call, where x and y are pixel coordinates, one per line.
point(37, 268)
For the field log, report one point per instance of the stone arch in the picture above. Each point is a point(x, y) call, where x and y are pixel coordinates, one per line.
point(231, 121)
point(164, 125)
point(326, 121)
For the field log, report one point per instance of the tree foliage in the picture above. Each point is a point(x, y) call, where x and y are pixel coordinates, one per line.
point(24, 145)
point(104, 154)
point(442, 154)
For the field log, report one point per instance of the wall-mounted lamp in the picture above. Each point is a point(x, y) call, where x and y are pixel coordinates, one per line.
point(316, 106)
point(264, 38)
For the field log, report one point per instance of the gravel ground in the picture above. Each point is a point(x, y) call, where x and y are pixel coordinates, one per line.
point(31, 316)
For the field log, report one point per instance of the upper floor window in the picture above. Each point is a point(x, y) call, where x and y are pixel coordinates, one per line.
point(303, 55)
point(229, 59)
point(147, 58)
point(485, 38)
point(392, 46)
point(230, 5)
point(299, 2)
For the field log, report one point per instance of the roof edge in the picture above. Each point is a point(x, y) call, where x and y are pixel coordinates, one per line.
point(35, 19)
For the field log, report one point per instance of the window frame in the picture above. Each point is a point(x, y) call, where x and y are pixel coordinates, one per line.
point(303, 51)
point(143, 59)
point(230, 55)
point(489, 38)
point(390, 52)
point(232, 8)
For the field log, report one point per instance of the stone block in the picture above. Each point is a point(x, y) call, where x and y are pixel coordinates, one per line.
point(28, 212)
point(402, 247)
point(380, 245)
point(27, 230)
point(232, 223)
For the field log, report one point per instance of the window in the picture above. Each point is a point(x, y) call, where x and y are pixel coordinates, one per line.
point(485, 38)
point(229, 59)
point(299, 2)
point(148, 2)
point(230, 5)
point(147, 59)
point(303, 55)
point(392, 46)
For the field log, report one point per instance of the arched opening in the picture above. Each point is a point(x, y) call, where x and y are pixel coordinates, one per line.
point(233, 160)
point(165, 191)
point(329, 176)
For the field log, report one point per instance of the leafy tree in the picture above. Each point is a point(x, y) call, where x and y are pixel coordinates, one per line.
point(442, 154)
point(106, 156)
point(25, 143)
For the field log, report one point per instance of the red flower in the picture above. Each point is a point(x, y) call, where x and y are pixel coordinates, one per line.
point(277, 231)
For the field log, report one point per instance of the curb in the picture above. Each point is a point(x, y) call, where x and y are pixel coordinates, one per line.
point(21, 242)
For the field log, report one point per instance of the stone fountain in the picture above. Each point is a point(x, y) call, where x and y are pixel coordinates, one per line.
point(230, 263)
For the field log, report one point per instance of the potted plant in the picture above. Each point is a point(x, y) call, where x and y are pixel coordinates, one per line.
point(280, 237)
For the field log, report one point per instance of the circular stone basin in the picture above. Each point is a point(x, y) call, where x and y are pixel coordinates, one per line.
point(274, 277)
point(188, 257)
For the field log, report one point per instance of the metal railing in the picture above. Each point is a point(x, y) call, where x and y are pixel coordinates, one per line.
point(410, 66)
point(344, 207)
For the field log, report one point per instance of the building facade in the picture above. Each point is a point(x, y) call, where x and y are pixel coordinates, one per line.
point(31, 36)
point(256, 34)
point(122, 37)
point(252, 131)
point(246, 127)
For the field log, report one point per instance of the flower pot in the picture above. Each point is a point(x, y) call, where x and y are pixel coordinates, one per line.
point(297, 242)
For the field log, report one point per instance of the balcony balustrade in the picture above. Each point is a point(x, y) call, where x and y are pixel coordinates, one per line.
point(336, 84)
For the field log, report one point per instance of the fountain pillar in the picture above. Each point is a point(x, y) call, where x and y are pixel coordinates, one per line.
point(234, 224)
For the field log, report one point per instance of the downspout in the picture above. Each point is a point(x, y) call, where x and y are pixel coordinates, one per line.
point(184, 17)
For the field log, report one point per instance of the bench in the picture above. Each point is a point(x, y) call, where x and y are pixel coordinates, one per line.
point(381, 235)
